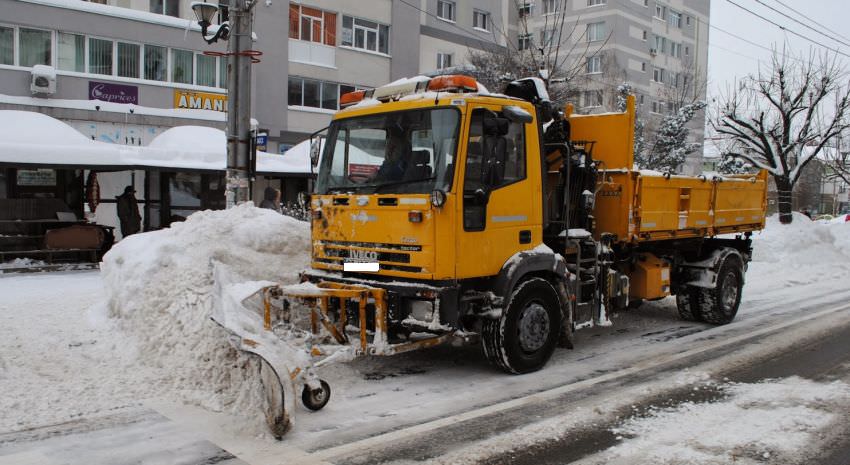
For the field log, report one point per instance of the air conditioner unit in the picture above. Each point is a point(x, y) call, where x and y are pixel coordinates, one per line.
point(653, 51)
point(43, 80)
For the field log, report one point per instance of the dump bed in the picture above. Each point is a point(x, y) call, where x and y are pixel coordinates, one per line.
point(646, 206)
point(642, 206)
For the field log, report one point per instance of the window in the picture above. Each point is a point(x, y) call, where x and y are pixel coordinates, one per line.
point(596, 31)
point(646, 3)
point(315, 94)
point(596, 2)
point(660, 44)
point(688, 20)
point(495, 157)
point(155, 63)
point(71, 52)
point(525, 10)
point(446, 10)
point(365, 35)
point(675, 19)
point(592, 98)
point(7, 46)
point(687, 51)
point(659, 11)
point(643, 36)
point(594, 65)
point(481, 20)
point(181, 66)
point(444, 60)
point(524, 42)
point(643, 66)
point(675, 49)
point(312, 24)
point(100, 56)
point(34, 47)
point(546, 37)
point(658, 74)
point(550, 6)
point(207, 69)
point(166, 7)
point(222, 72)
point(128, 60)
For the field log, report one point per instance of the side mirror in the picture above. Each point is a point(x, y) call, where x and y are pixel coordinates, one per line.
point(317, 141)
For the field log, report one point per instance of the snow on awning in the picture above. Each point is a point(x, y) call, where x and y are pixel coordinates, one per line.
point(28, 138)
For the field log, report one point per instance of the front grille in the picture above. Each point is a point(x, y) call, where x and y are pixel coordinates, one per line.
point(380, 256)
point(375, 245)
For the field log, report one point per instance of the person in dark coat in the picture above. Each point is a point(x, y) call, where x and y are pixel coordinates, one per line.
point(128, 212)
point(271, 199)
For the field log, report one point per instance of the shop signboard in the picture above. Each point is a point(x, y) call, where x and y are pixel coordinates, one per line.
point(200, 100)
point(110, 92)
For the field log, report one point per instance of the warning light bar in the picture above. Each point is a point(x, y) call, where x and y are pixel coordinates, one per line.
point(404, 87)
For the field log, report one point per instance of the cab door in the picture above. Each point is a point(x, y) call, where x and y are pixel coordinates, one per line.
point(499, 205)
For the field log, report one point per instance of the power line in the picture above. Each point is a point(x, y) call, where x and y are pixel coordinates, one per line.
point(812, 20)
point(802, 23)
point(839, 52)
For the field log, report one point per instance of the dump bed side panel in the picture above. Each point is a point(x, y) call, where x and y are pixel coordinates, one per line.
point(673, 206)
point(740, 203)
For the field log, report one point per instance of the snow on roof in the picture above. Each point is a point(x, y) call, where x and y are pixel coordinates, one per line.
point(33, 138)
point(121, 12)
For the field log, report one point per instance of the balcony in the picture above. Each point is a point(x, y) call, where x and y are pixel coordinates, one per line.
point(312, 53)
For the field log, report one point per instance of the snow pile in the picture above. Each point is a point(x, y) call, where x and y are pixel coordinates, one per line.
point(22, 263)
point(160, 288)
point(799, 253)
point(756, 422)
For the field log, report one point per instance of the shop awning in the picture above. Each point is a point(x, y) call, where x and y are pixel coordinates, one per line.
point(36, 140)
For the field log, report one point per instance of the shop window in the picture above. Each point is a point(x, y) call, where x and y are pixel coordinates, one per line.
point(34, 47)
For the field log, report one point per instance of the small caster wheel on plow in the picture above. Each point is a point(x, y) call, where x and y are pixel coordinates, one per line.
point(316, 399)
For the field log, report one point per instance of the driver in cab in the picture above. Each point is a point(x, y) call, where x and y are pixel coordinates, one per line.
point(397, 155)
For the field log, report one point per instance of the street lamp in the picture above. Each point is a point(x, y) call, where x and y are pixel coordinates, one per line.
point(205, 12)
point(240, 57)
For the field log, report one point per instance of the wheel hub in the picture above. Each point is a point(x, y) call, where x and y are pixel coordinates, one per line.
point(533, 327)
point(729, 292)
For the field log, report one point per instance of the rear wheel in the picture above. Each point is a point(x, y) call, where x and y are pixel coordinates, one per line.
point(719, 305)
point(523, 338)
point(687, 302)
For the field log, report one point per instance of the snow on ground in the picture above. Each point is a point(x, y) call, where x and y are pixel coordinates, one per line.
point(774, 419)
point(75, 344)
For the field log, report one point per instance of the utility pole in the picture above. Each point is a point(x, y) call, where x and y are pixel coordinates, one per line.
point(239, 102)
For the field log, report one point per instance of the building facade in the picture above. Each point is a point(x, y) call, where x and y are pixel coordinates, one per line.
point(659, 47)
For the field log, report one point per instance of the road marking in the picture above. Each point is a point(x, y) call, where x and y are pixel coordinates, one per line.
point(369, 444)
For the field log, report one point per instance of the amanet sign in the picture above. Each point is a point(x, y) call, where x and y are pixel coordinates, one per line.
point(200, 100)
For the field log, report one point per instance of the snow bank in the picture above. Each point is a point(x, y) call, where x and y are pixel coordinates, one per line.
point(754, 423)
point(159, 287)
point(798, 253)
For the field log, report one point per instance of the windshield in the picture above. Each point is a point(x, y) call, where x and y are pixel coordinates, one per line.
point(391, 153)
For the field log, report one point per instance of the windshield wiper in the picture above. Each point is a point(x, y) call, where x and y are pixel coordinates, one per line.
point(398, 183)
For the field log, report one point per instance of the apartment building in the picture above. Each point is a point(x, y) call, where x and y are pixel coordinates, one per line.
point(659, 47)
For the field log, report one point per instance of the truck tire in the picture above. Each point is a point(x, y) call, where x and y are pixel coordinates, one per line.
point(719, 305)
point(523, 338)
point(687, 302)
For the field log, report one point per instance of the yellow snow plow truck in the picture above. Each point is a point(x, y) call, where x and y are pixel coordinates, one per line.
point(443, 213)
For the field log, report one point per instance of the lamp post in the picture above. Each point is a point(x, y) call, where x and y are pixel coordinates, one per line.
point(236, 27)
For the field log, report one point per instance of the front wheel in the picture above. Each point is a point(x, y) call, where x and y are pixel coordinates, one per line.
point(523, 338)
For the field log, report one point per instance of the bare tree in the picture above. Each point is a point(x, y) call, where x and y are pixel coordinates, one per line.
point(782, 119)
point(558, 54)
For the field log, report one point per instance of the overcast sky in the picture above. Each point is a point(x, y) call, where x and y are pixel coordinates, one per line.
point(729, 57)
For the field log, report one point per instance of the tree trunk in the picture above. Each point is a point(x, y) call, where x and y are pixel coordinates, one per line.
point(783, 192)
